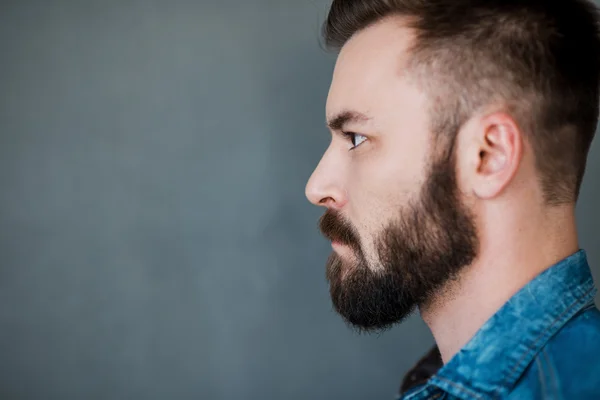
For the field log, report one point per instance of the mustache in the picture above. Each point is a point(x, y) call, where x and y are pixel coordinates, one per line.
point(337, 229)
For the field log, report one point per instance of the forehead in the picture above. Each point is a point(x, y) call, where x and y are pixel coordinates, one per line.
point(369, 64)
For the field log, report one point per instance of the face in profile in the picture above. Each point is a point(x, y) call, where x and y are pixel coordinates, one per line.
point(421, 248)
point(400, 229)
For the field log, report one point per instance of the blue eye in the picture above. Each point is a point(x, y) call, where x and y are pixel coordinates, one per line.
point(355, 139)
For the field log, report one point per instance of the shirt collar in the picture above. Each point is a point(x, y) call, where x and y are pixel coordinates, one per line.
point(489, 365)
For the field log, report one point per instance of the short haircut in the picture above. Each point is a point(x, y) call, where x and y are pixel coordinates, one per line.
point(537, 58)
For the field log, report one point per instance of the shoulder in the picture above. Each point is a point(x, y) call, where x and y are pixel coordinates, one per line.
point(568, 366)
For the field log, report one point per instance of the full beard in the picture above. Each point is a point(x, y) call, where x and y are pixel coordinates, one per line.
point(419, 253)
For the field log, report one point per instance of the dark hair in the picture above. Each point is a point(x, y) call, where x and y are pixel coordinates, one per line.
point(538, 58)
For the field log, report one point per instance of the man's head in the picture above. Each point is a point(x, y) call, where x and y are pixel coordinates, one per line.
point(441, 111)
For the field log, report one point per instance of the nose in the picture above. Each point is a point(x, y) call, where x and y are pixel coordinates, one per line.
point(325, 186)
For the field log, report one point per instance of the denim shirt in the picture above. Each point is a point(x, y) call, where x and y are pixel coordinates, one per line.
point(544, 343)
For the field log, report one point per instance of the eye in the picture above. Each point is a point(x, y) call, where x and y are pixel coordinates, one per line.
point(354, 138)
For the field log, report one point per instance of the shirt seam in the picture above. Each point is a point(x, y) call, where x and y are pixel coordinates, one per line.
point(460, 388)
point(413, 395)
point(542, 379)
point(553, 378)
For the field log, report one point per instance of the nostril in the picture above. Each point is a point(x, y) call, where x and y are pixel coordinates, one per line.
point(327, 201)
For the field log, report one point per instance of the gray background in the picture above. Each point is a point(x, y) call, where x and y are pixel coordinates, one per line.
point(155, 241)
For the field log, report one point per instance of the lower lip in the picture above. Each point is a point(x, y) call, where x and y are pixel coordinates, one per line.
point(336, 245)
point(342, 249)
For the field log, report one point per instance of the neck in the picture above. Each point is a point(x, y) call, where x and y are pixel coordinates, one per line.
point(505, 264)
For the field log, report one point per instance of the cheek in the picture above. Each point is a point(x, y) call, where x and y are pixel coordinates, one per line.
point(388, 177)
point(378, 193)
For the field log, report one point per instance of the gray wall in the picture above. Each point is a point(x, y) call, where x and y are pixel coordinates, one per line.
point(155, 241)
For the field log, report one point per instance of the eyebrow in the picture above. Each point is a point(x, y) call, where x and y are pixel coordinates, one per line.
point(337, 122)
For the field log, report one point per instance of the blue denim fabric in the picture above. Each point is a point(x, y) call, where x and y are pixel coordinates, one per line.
point(544, 343)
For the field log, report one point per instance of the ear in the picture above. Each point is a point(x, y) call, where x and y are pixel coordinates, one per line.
point(494, 151)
